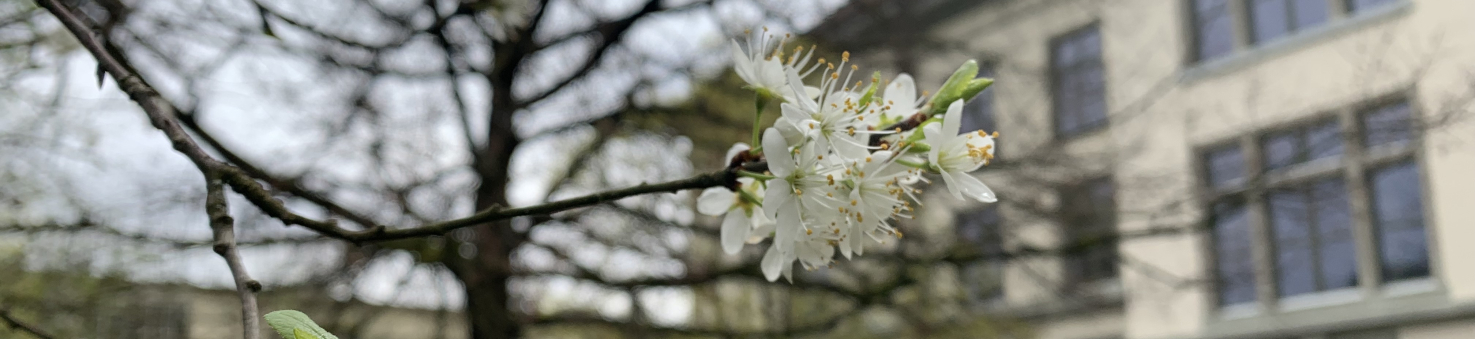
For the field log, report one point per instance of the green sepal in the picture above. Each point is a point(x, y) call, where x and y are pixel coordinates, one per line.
point(954, 88)
point(976, 86)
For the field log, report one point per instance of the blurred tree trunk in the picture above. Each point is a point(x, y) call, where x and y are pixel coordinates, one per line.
point(485, 272)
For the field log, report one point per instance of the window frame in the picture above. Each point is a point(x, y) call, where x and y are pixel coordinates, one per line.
point(1353, 167)
point(1053, 74)
point(1339, 13)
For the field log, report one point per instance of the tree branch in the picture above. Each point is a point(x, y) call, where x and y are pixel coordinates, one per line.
point(16, 324)
point(164, 116)
point(222, 226)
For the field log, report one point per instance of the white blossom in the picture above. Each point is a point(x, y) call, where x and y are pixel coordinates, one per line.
point(955, 155)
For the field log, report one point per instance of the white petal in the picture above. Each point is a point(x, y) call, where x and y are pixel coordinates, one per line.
point(715, 201)
point(770, 75)
point(762, 228)
point(734, 231)
point(901, 94)
point(937, 139)
point(797, 85)
point(777, 153)
point(952, 184)
point(952, 120)
point(845, 246)
point(787, 228)
point(772, 264)
point(789, 267)
point(779, 194)
point(793, 113)
point(974, 188)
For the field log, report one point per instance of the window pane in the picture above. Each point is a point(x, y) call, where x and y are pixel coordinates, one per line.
point(1079, 82)
point(1337, 252)
point(1294, 252)
point(978, 113)
point(1226, 166)
point(1324, 140)
point(1398, 210)
point(1269, 19)
point(1091, 221)
point(1214, 30)
point(1309, 13)
point(1387, 125)
point(1282, 149)
point(1233, 250)
point(1357, 6)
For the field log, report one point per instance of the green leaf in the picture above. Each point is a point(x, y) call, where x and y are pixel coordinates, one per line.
point(296, 325)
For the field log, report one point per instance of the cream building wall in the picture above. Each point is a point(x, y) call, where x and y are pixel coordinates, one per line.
point(1164, 111)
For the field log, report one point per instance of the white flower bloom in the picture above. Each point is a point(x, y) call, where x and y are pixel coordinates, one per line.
point(877, 189)
point(740, 218)
point(833, 116)
point(800, 192)
point(956, 154)
point(762, 65)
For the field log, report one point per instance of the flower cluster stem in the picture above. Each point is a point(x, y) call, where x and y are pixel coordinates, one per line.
point(760, 101)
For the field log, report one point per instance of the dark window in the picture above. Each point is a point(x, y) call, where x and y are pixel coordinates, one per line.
point(1398, 214)
point(1387, 125)
point(1359, 6)
point(1089, 210)
point(1272, 19)
point(1079, 82)
point(1213, 29)
point(981, 236)
point(978, 113)
point(979, 230)
point(1234, 253)
point(1302, 144)
point(1312, 228)
point(1226, 166)
point(1309, 13)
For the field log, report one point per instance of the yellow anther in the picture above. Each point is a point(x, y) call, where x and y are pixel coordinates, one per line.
point(868, 159)
point(809, 232)
point(885, 146)
point(845, 56)
point(853, 202)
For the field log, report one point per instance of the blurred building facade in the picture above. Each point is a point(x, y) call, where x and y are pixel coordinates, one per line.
point(1207, 168)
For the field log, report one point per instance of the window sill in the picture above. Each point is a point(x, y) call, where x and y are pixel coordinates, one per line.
point(1349, 309)
point(1320, 299)
point(1253, 55)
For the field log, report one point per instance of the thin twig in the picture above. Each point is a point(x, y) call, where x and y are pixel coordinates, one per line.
point(16, 324)
point(163, 115)
point(223, 228)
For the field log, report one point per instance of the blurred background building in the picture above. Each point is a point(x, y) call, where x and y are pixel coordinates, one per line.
point(1208, 168)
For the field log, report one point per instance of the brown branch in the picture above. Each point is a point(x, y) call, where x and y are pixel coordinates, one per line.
point(16, 324)
point(163, 115)
point(222, 226)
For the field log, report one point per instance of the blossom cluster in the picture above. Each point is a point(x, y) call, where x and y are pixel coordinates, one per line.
point(842, 163)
